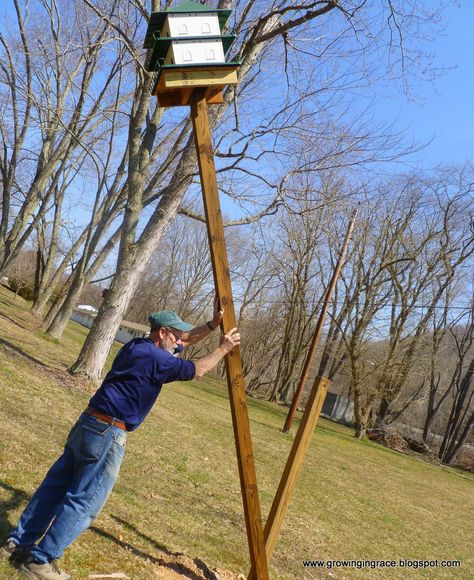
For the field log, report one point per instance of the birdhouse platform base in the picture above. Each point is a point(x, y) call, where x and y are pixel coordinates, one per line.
point(182, 97)
point(175, 85)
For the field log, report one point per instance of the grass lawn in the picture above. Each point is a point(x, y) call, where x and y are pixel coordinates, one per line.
point(178, 491)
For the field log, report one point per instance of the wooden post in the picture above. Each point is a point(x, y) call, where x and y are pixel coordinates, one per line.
point(293, 465)
point(235, 380)
point(319, 327)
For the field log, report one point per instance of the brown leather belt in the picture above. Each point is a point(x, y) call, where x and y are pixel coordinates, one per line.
point(105, 418)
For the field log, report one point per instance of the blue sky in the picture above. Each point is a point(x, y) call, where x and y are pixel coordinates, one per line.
point(443, 111)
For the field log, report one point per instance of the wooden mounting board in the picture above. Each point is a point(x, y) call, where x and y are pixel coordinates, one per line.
point(175, 85)
point(182, 96)
point(174, 78)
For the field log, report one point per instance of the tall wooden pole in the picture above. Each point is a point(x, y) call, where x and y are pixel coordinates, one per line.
point(235, 380)
point(293, 466)
point(319, 327)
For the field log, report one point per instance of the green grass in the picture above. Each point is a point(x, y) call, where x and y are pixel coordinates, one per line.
point(178, 490)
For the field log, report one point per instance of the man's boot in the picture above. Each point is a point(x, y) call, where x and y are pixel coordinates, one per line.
point(48, 571)
point(10, 551)
point(7, 550)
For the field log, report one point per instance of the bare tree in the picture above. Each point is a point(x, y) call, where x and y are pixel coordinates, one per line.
point(178, 277)
point(409, 250)
point(260, 314)
point(21, 274)
point(366, 289)
point(295, 257)
point(55, 95)
point(441, 363)
point(427, 256)
point(460, 420)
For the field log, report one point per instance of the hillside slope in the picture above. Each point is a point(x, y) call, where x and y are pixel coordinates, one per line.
point(176, 510)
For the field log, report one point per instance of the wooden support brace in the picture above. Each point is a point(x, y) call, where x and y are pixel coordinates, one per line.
point(235, 380)
point(293, 466)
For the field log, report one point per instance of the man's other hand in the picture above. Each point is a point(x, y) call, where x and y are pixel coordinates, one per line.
point(217, 313)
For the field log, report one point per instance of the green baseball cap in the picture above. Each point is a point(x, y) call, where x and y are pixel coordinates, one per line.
point(168, 319)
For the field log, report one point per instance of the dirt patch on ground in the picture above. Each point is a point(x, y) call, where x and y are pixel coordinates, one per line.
point(164, 563)
point(174, 566)
point(182, 566)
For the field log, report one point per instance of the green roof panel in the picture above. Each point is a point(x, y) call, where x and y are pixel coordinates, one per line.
point(190, 6)
point(157, 19)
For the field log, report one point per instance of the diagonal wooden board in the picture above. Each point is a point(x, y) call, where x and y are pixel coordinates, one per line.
point(293, 466)
point(235, 379)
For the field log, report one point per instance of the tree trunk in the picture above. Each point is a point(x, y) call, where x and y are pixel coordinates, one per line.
point(39, 270)
point(456, 416)
point(382, 412)
point(43, 286)
point(361, 414)
point(93, 356)
point(130, 267)
point(287, 392)
point(427, 429)
point(56, 304)
point(40, 304)
point(63, 313)
point(456, 446)
point(360, 430)
point(361, 407)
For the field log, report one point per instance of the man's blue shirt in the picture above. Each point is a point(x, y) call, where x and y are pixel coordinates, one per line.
point(134, 382)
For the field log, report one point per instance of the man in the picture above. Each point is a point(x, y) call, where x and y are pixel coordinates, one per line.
point(77, 486)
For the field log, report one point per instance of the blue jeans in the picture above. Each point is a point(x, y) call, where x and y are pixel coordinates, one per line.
point(74, 490)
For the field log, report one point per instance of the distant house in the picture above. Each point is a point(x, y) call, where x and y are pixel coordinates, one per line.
point(87, 307)
point(338, 408)
point(128, 330)
point(85, 315)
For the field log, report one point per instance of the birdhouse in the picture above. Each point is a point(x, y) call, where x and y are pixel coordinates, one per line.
point(187, 46)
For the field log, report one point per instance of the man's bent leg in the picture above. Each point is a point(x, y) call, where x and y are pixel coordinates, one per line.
point(99, 450)
point(40, 510)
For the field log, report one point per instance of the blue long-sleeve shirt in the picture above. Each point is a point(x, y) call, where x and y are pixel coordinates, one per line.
point(134, 382)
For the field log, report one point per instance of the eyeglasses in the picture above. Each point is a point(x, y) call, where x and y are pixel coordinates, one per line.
point(177, 337)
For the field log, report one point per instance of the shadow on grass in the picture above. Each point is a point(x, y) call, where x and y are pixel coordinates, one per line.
point(10, 319)
point(208, 404)
point(17, 497)
point(22, 353)
point(178, 567)
point(13, 302)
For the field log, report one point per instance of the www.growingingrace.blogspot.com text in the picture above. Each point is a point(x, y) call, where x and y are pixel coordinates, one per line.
point(374, 564)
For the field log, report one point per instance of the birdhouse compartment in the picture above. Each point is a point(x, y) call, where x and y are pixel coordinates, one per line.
point(195, 51)
point(191, 24)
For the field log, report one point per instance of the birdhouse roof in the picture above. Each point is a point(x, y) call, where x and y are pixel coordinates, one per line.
point(157, 19)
